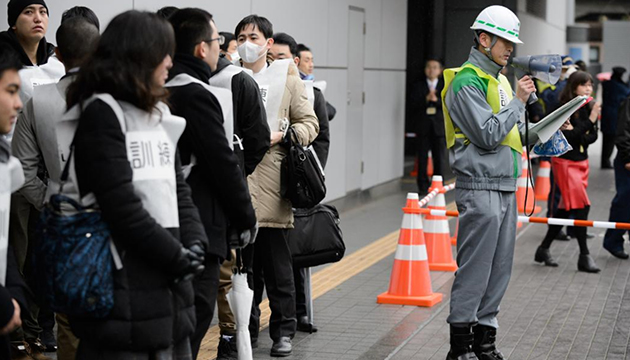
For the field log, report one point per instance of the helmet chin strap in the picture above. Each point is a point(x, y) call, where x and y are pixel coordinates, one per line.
point(488, 50)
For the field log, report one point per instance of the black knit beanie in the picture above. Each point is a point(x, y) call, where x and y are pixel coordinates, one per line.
point(16, 6)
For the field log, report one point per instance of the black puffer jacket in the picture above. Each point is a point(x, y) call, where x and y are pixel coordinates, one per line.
point(150, 312)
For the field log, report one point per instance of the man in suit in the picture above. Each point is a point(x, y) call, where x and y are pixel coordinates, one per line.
point(427, 109)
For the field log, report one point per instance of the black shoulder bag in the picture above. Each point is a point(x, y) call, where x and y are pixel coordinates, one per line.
point(302, 177)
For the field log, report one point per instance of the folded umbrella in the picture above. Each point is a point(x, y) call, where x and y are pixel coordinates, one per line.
point(240, 299)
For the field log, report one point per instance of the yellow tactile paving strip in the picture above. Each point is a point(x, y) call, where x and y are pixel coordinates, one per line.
point(322, 281)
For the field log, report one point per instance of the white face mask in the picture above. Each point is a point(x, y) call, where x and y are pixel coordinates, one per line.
point(234, 56)
point(250, 52)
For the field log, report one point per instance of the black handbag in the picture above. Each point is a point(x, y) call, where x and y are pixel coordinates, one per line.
point(302, 177)
point(317, 238)
point(74, 259)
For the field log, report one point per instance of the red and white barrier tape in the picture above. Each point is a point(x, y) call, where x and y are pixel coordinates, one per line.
point(550, 221)
point(425, 200)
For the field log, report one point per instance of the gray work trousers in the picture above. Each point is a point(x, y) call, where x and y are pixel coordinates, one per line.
point(485, 252)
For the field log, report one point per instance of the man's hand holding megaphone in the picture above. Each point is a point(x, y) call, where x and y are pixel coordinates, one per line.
point(524, 88)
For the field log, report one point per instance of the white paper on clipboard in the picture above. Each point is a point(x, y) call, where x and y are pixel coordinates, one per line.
point(545, 128)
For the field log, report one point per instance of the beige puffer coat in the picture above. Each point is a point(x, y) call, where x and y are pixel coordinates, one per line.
point(272, 210)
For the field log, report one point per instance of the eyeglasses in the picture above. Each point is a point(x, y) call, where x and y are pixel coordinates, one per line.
point(220, 39)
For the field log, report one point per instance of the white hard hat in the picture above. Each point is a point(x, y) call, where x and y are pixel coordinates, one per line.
point(500, 21)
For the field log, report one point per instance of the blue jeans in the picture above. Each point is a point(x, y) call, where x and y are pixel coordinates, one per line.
point(619, 209)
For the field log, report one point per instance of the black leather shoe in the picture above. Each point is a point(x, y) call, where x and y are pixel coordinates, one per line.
point(466, 356)
point(587, 264)
point(48, 340)
point(462, 339)
point(227, 349)
point(544, 256)
point(621, 254)
point(484, 345)
point(282, 347)
point(304, 325)
point(562, 236)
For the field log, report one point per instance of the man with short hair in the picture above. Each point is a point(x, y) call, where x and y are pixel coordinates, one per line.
point(287, 106)
point(218, 187)
point(81, 12)
point(36, 141)
point(306, 65)
point(482, 122)
point(285, 47)
point(229, 47)
point(251, 142)
point(427, 108)
point(13, 291)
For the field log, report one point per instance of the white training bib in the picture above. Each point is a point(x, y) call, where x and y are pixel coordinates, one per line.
point(151, 140)
point(272, 82)
point(223, 78)
point(11, 179)
point(310, 91)
point(151, 155)
point(223, 95)
point(33, 76)
point(5, 205)
point(321, 85)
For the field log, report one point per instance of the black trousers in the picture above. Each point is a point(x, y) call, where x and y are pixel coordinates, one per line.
point(428, 140)
point(273, 270)
point(179, 351)
point(608, 145)
point(299, 277)
point(206, 287)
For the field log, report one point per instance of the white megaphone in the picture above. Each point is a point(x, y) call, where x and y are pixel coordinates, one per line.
point(547, 68)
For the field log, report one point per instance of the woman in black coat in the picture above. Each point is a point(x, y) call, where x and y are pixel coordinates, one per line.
point(571, 171)
point(125, 156)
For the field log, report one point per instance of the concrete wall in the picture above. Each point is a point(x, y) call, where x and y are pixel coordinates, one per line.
point(544, 36)
point(322, 25)
point(616, 44)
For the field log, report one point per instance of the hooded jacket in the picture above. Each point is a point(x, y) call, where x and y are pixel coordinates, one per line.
point(44, 51)
point(482, 164)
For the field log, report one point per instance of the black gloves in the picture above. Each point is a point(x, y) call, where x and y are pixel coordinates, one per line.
point(239, 240)
point(190, 262)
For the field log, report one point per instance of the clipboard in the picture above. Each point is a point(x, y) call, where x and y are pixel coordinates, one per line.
point(545, 128)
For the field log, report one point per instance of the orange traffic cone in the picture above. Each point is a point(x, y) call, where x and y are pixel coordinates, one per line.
point(430, 164)
point(410, 282)
point(525, 188)
point(436, 232)
point(414, 172)
point(542, 181)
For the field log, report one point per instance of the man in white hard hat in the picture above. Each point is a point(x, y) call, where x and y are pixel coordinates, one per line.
point(482, 122)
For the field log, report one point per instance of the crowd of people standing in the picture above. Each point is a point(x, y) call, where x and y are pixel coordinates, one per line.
point(175, 134)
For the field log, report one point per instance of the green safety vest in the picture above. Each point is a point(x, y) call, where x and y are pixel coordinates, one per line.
point(513, 138)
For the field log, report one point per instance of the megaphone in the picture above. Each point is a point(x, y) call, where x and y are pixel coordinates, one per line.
point(547, 68)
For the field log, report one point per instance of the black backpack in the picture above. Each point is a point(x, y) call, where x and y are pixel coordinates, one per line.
point(302, 177)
